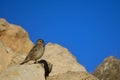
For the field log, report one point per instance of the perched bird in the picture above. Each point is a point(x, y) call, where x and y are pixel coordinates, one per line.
point(36, 52)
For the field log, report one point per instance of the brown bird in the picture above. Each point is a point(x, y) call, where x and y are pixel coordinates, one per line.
point(36, 52)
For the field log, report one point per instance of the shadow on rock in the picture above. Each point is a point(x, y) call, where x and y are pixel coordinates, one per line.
point(47, 66)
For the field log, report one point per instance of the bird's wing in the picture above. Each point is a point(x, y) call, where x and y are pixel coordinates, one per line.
point(31, 53)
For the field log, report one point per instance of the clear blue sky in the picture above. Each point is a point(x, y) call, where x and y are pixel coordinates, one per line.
point(90, 29)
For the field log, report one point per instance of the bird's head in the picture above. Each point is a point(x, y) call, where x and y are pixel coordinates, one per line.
point(40, 42)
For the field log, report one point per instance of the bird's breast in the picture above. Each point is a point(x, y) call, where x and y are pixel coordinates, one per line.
point(39, 52)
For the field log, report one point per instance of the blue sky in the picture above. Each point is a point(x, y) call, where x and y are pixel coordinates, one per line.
point(90, 29)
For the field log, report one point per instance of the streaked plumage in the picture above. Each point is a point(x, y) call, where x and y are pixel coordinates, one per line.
point(36, 52)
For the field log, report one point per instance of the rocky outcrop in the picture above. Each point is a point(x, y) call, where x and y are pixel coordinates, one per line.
point(5, 56)
point(73, 76)
point(56, 63)
point(14, 37)
point(62, 60)
point(109, 69)
point(23, 72)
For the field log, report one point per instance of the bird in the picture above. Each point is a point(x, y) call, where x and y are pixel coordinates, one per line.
point(36, 52)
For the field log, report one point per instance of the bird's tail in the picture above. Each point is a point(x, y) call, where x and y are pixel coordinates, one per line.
point(24, 62)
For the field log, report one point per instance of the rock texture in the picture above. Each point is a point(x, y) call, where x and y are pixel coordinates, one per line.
point(13, 39)
point(5, 56)
point(57, 62)
point(109, 69)
point(62, 60)
point(13, 35)
point(73, 76)
point(23, 72)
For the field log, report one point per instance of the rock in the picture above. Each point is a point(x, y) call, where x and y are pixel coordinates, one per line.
point(14, 37)
point(73, 76)
point(57, 55)
point(62, 60)
point(5, 56)
point(17, 59)
point(13, 40)
point(3, 25)
point(109, 69)
point(23, 72)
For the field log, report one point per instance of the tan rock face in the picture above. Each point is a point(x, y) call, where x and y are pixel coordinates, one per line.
point(61, 59)
point(109, 69)
point(14, 37)
point(73, 76)
point(23, 72)
point(5, 56)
